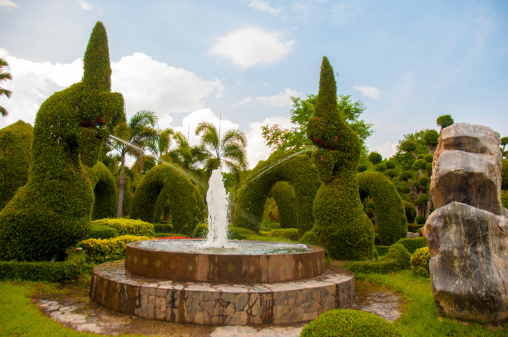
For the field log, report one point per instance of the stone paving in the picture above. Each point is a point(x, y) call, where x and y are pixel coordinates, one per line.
point(77, 311)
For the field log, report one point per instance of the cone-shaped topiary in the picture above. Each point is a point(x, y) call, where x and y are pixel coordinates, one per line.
point(340, 222)
point(15, 143)
point(52, 211)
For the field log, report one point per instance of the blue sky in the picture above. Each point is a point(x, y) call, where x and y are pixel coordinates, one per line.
point(407, 61)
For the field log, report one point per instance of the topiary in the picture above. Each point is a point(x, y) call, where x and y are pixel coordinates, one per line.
point(200, 231)
point(102, 232)
point(15, 144)
point(392, 173)
point(422, 200)
point(423, 181)
point(310, 238)
point(162, 183)
point(410, 211)
point(238, 233)
point(444, 121)
point(349, 322)
point(420, 164)
point(380, 167)
point(292, 167)
point(52, 211)
point(404, 176)
point(284, 195)
point(390, 213)
point(128, 226)
point(105, 192)
point(429, 157)
point(420, 261)
point(288, 233)
point(420, 219)
point(412, 244)
point(361, 168)
point(375, 158)
point(390, 165)
point(340, 222)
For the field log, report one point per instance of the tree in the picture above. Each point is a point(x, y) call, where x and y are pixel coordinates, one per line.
point(296, 138)
point(431, 138)
point(4, 76)
point(134, 136)
point(444, 121)
point(228, 150)
point(504, 141)
point(375, 158)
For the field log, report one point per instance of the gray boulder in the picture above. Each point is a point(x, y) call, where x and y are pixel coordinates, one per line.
point(468, 265)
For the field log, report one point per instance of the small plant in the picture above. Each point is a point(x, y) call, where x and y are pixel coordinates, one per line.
point(348, 322)
point(420, 261)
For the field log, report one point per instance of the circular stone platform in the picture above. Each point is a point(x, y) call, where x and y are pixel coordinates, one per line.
point(275, 262)
point(219, 303)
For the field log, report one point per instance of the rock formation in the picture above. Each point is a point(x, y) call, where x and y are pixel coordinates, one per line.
point(468, 233)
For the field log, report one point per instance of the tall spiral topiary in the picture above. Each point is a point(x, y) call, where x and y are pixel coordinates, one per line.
point(52, 211)
point(340, 223)
point(15, 143)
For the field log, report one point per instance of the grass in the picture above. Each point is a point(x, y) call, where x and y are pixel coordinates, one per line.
point(420, 316)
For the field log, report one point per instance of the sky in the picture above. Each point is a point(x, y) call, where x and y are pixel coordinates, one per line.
point(240, 62)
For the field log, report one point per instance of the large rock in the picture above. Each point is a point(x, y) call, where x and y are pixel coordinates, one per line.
point(468, 265)
point(467, 168)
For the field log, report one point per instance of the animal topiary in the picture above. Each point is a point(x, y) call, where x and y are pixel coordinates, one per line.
point(390, 213)
point(15, 143)
point(349, 322)
point(52, 211)
point(340, 222)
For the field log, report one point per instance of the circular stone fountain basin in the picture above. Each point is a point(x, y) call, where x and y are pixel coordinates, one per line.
point(249, 262)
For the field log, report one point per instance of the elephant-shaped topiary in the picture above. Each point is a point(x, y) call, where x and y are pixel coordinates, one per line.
point(52, 211)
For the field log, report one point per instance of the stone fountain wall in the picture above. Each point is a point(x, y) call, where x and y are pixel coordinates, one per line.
point(468, 233)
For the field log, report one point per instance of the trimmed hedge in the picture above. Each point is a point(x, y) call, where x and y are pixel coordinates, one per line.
point(163, 183)
point(349, 322)
point(420, 261)
point(412, 244)
point(15, 144)
point(284, 195)
point(104, 250)
point(288, 233)
point(70, 269)
point(52, 211)
point(292, 167)
point(128, 226)
point(396, 259)
point(102, 232)
point(382, 250)
point(105, 192)
point(200, 231)
point(310, 238)
point(340, 223)
point(239, 233)
point(390, 212)
point(163, 228)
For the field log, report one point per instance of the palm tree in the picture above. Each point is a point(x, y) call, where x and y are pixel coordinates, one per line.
point(132, 138)
point(228, 150)
point(4, 76)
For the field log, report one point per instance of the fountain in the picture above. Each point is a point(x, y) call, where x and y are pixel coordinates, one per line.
point(222, 282)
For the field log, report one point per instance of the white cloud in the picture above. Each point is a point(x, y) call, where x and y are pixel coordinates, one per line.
point(8, 4)
point(250, 46)
point(244, 101)
point(280, 100)
point(264, 6)
point(144, 83)
point(256, 147)
point(370, 92)
point(85, 5)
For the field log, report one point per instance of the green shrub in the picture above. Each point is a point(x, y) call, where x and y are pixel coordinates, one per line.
point(102, 232)
point(284, 195)
point(163, 228)
point(420, 261)
point(410, 211)
point(128, 226)
point(294, 168)
point(15, 144)
point(404, 176)
point(429, 157)
point(392, 173)
point(70, 269)
point(163, 183)
point(361, 168)
point(289, 233)
point(382, 250)
point(420, 219)
point(52, 211)
point(390, 165)
point(310, 238)
point(239, 233)
point(200, 231)
point(411, 227)
point(397, 258)
point(380, 167)
point(412, 244)
point(349, 322)
point(105, 192)
point(420, 164)
point(340, 222)
point(103, 250)
point(375, 158)
point(423, 181)
point(422, 199)
point(390, 213)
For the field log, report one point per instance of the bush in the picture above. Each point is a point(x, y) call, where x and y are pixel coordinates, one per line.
point(392, 173)
point(420, 164)
point(410, 211)
point(423, 181)
point(404, 176)
point(284, 195)
point(238, 233)
point(349, 322)
point(411, 227)
point(382, 250)
point(429, 157)
point(104, 250)
point(390, 165)
point(397, 258)
point(310, 238)
point(128, 226)
point(200, 231)
point(380, 167)
point(420, 261)
point(422, 199)
point(420, 219)
point(361, 168)
point(412, 244)
point(289, 233)
point(105, 192)
point(102, 232)
point(163, 228)
point(70, 269)
point(375, 158)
